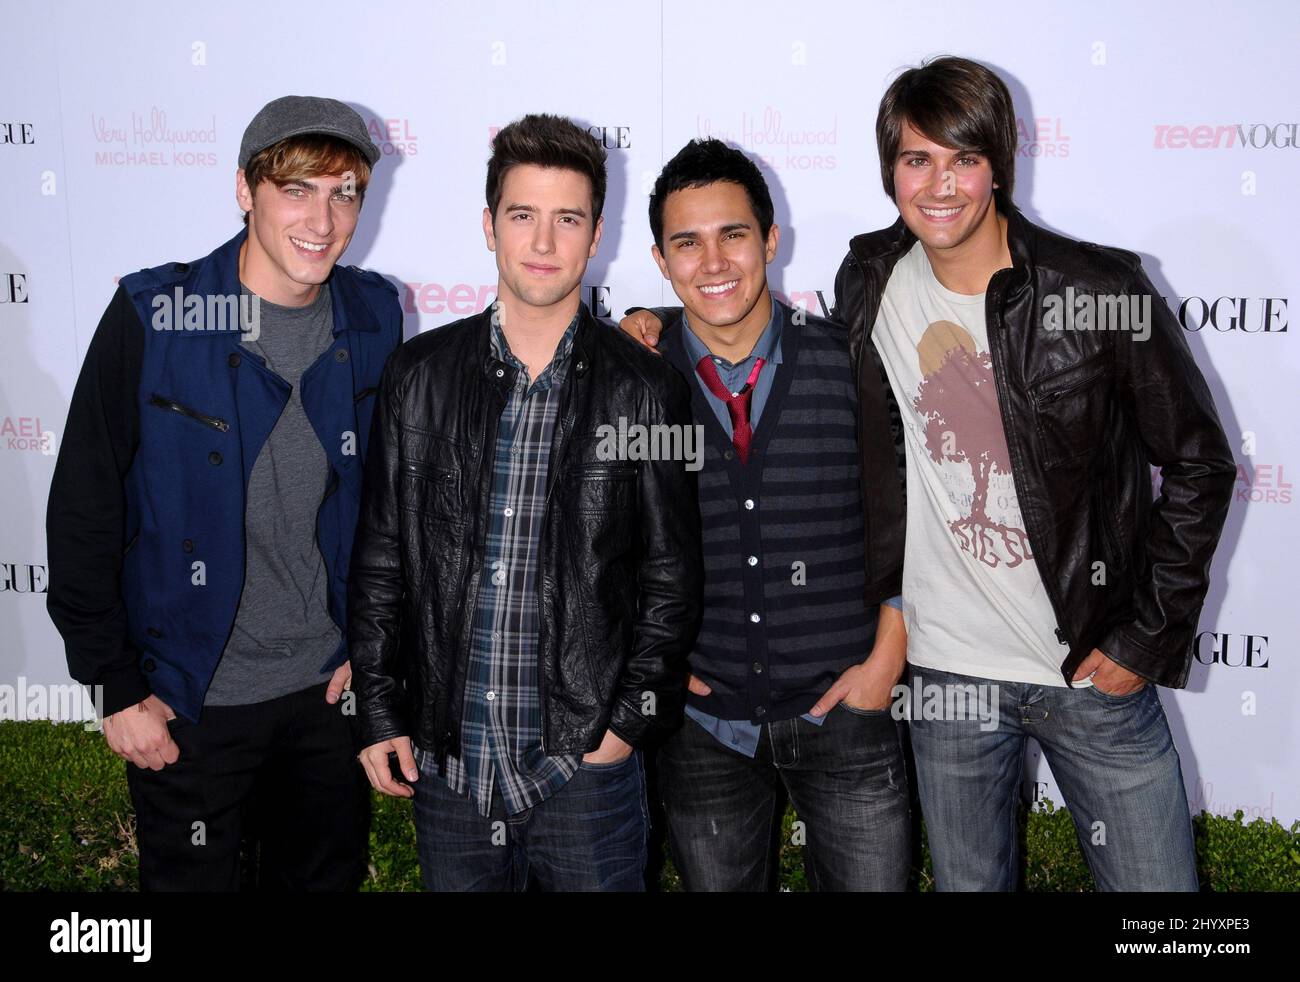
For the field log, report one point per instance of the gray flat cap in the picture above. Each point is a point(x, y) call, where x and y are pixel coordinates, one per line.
point(294, 115)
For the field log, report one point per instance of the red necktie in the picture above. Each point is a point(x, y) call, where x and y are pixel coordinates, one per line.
point(737, 403)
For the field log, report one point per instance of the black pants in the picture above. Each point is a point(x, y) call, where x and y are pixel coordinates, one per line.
point(281, 776)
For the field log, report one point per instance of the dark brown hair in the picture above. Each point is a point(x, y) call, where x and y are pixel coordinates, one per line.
point(546, 141)
point(299, 158)
point(955, 102)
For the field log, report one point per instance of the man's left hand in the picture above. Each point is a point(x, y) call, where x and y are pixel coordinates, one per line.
point(612, 750)
point(866, 686)
point(1109, 677)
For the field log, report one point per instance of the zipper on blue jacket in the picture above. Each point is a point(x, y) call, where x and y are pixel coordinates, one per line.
point(162, 402)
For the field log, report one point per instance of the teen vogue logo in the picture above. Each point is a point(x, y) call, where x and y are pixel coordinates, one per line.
point(1223, 136)
point(13, 288)
point(16, 134)
point(460, 299)
point(23, 578)
point(466, 299)
point(611, 137)
point(1231, 650)
point(810, 301)
point(1247, 315)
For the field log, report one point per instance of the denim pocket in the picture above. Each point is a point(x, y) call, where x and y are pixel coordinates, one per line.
point(1129, 697)
point(610, 765)
point(858, 711)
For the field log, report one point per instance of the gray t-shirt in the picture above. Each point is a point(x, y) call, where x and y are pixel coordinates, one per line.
point(283, 632)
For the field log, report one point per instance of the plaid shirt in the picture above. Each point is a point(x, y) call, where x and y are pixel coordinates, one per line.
point(501, 732)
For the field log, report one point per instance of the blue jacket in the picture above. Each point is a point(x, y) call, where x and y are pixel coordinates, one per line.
point(201, 408)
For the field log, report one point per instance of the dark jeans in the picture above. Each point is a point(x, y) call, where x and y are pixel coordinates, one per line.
point(846, 779)
point(588, 836)
point(1113, 758)
point(282, 773)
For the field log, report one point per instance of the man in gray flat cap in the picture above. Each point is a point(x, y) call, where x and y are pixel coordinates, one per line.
point(201, 519)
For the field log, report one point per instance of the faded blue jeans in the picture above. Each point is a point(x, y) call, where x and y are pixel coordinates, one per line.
point(1113, 758)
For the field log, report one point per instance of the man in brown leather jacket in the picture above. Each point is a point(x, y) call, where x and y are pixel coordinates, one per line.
point(1033, 381)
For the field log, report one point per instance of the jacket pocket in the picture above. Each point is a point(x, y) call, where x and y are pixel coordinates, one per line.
point(429, 490)
point(601, 489)
point(171, 405)
point(1070, 411)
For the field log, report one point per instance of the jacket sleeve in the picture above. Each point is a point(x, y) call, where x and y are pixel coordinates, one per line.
point(847, 304)
point(86, 521)
point(878, 414)
point(376, 582)
point(1169, 404)
point(650, 697)
point(663, 314)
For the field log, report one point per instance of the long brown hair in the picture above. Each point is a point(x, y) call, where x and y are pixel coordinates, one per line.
point(957, 103)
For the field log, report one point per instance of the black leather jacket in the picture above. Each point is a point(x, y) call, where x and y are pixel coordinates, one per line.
point(1085, 413)
point(620, 567)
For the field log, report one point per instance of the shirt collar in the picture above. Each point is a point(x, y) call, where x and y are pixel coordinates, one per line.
point(557, 370)
point(767, 347)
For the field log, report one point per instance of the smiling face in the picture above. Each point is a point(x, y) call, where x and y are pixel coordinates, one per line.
point(542, 235)
point(716, 256)
point(944, 195)
point(296, 233)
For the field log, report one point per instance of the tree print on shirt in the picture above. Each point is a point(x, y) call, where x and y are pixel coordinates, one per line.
point(957, 399)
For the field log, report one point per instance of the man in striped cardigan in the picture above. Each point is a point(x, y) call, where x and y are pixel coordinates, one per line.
point(794, 665)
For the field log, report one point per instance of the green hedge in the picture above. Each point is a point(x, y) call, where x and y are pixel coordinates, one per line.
point(66, 824)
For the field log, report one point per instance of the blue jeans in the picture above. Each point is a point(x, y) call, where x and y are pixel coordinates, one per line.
point(1113, 758)
point(846, 779)
point(588, 836)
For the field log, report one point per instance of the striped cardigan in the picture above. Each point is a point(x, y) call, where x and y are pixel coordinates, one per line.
point(784, 612)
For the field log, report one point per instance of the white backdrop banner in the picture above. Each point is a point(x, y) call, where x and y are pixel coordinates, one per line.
point(1167, 128)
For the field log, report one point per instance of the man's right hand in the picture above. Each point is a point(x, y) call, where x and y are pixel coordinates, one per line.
point(698, 687)
point(375, 760)
point(139, 734)
point(642, 326)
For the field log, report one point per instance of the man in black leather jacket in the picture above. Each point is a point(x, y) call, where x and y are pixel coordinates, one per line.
point(1033, 381)
point(524, 591)
point(983, 322)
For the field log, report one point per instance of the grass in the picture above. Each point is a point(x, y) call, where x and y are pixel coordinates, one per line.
point(66, 823)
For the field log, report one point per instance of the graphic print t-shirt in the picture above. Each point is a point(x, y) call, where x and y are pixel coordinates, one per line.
point(973, 600)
